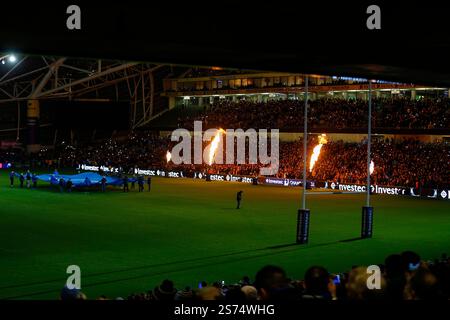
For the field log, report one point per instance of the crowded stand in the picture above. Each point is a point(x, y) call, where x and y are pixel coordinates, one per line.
point(398, 163)
point(403, 276)
point(325, 113)
point(407, 162)
point(403, 162)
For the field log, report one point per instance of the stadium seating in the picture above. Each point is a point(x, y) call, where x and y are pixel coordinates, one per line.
point(402, 277)
point(326, 113)
point(408, 163)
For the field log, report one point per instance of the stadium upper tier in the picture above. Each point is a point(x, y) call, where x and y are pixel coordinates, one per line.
point(388, 114)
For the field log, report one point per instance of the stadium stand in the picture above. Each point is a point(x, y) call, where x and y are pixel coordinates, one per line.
point(325, 113)
point(403, 276)
point(409, 163)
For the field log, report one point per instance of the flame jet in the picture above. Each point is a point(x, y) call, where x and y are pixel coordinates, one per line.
point(316, 151)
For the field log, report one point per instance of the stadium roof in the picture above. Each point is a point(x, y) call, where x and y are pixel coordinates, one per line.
point(412, 46)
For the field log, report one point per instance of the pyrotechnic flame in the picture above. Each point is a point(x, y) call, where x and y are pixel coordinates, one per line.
point(214, 145)
point(316, 151)
point(371, 167)
point(168, 156)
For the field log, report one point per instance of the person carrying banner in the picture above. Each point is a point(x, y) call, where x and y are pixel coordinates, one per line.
point(103, 183)
point(11, 178)
point(28, 178)
point(21, 179)
point(125, 184)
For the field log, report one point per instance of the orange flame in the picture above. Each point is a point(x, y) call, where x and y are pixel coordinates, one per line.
point(316, 151)
point(214, 145)
point(372, 167)
point(168, 156)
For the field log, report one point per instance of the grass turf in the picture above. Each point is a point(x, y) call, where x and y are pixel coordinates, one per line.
point(190, 231)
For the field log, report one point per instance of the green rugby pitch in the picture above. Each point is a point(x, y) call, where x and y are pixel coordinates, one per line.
point(188, 231)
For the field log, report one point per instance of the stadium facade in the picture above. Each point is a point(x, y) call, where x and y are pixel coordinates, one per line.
point(199, 88)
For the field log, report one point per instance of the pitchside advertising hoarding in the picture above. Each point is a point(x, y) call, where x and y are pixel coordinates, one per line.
point(137, 171)
point(393, 191)
point(441, 194)
point(287, 182)
point(225, 177)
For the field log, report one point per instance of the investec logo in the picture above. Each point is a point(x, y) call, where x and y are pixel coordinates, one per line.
point(216, 177)
point(351, 188)
point(374, 189)
point(277, 181)
point(146, 172)
point(232, 178)
point(247, 180)
point(199, 175)
point(173, 174)
point(445, 194)
point(88, 168)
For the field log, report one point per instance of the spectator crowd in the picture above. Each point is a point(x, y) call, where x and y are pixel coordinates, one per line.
point(403, 276)
point(408, 163)
point(325, 113)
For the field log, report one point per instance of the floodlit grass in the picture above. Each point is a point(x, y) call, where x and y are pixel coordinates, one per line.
point(190, 231)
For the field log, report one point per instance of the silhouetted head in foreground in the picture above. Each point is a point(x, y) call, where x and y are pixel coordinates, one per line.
point(271, 282)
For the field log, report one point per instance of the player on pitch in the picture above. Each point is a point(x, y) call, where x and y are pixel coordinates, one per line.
point(239, 198)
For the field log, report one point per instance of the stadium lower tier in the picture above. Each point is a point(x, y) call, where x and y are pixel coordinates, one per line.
point(408, 163)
